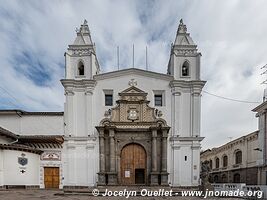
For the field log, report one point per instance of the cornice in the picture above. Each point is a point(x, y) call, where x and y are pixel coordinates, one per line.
point(84, 83)
point(173, 138)
point(133, 71)
point(261, 107)
point(187, 84)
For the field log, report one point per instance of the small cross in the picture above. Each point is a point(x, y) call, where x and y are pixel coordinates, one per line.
point(132, 82)
point(23, 171)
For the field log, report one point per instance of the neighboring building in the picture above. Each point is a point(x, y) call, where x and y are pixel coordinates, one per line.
point(234, 162)
point(262, 149)
point(124, 127)
point(31, 149)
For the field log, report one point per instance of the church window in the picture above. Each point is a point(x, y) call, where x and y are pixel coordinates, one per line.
point(210, 164)
point(236, 178)
point(108, 99)
point(225, 161)
point(158, 99)
point(185, 69)
point(80, 69)
point(217, 163)
point(238, 157)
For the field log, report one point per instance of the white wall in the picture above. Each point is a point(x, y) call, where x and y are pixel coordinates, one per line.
point(11, 168)
point(80, 163)
point(1, 167)
point(33, 124)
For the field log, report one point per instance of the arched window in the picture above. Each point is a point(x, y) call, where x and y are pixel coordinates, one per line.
point(238, 157)
point(216, 179)
point(80, 69)
point(225, 161)
point(185, 69)
point(224, 178)
point(236, 178)
point(210, 164)
point(217, 163)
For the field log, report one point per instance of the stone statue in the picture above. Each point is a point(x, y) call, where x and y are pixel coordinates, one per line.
point(204, 176)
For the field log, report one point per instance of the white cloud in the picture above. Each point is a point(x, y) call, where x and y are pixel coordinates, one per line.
point(230, 34)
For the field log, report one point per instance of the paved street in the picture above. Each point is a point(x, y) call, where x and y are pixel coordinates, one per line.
point(58, 195)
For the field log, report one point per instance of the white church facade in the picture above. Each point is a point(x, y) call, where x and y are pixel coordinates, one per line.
point(124, 127)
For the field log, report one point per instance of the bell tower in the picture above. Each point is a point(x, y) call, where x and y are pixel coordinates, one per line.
point(80, 58)
point(184, 63)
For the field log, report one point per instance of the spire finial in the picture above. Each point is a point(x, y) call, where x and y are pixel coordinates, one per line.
point(84, 28)
point(182, 27)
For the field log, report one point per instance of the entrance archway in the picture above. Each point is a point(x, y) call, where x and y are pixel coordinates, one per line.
point(133, 164)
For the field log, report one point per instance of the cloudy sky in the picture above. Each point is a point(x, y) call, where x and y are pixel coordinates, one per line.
point(230, 34)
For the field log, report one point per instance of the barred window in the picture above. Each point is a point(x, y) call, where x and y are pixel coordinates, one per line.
point(108, 99)
point(158, 99)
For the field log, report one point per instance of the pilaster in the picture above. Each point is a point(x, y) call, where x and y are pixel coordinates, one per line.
point(112, 174)
point(154, 174)
point(102, 173)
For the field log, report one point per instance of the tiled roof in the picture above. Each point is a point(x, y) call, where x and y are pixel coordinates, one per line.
point(31, 143)
point(20, 147)
point(7, 133)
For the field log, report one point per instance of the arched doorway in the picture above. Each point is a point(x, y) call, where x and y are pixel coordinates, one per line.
point(133, 164)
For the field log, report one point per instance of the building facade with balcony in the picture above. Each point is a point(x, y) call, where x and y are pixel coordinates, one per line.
point(235, 161)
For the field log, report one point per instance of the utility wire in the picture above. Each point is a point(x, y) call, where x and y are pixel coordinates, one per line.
point(43, 121)
point(5, 91)
point(230, 99)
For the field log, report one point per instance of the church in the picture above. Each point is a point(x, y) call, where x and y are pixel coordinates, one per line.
point(125, 127)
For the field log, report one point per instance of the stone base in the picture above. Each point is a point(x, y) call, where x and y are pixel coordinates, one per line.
point(112, 178)
point(164, 178)
point(154, 178)
point(101, 178)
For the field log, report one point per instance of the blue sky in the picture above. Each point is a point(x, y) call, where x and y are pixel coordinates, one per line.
point(230, 34)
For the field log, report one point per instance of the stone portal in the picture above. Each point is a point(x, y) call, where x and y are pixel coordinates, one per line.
point(133, 142)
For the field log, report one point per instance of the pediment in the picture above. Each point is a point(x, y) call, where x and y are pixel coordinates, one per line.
point(132, 90)
point(133, 110)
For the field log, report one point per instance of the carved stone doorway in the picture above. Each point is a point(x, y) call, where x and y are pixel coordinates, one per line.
point(133, 165)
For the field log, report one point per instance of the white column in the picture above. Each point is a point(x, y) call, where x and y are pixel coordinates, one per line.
point(89, 112)
point(70, 113)
point(196, 113)
point(195, 164)
point(90, 154)
point(176, 165)
point(176, 112)
point(71, 172)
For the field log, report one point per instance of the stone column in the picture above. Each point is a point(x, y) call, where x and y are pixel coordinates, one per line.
point(154, 150)
point(154, 174)
point(164, 173)
point(102, 165)
point(112, 174)
point(112, 150)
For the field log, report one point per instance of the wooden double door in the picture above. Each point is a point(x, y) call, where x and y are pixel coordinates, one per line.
point(133, 165)
point(51, 177)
